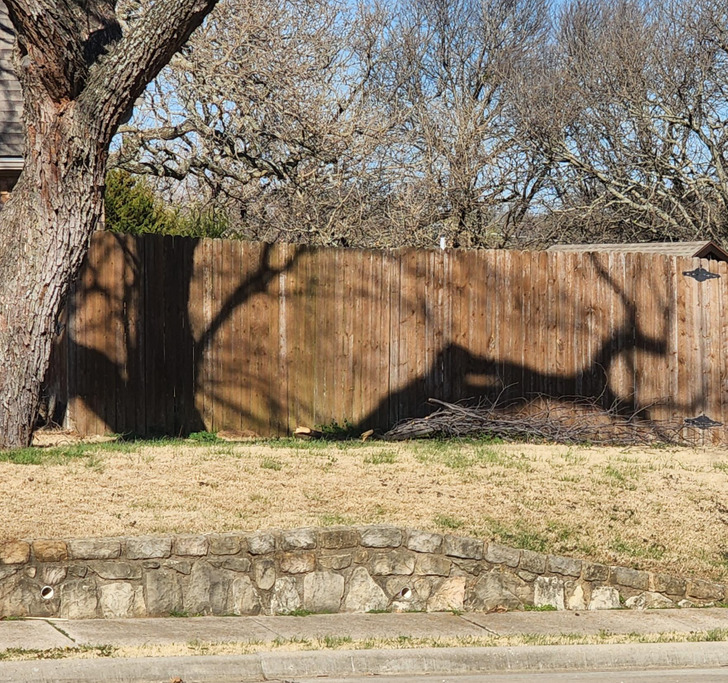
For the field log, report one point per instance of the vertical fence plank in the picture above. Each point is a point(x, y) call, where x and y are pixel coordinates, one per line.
point(282, 256)
point(382, 381)
point(722, 341)
point(532, 360)
point(712, 358)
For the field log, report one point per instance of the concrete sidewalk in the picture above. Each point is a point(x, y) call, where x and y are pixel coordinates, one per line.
point(45, 634)
point(279, 664)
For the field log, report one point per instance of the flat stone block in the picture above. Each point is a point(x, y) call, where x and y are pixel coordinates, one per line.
point(604, 597)
point(285, 597)
point(705, 590)
point(79, 599)
point(261, 543)
point(397, 562)
point(633, 578)
point(224, 544)
point(180, 566)
point(526, 576)
point(381, 537)
point(336, 538)
point(341, 561)
point(298, 539)
point(162, 592)
point(245, 599)
point(648, 600)
point(264, 573)
point(52, 575)
point(449, 595)
point(7, 571)
point(533, 562)
point(205, 582)
point(671, 585)
point(471, 567)
point(566, 566)
point(468, 548)
point(94, 549)
point(574, 596)
point(117, 570)
point(236, 564)
point(14, 552)
point(424, 542)
point(502, 554)
point(498, 589)
point(50, 551)
point(322, 592)
point(298, 563)
point(196, 546)
point(121, 600)
point(591, 571)
point(148, 547)
point(364, 593)
point(432, 565)
point(549, 591)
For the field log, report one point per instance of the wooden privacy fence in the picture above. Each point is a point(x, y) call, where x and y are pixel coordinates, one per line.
point(172, 335)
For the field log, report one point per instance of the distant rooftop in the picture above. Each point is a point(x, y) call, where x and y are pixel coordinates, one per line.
point(705, 249)
point(11, 100)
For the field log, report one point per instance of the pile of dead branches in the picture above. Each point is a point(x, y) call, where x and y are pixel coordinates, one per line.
point(576, 421)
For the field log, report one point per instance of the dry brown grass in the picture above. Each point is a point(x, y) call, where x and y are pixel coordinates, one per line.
point(662, 509)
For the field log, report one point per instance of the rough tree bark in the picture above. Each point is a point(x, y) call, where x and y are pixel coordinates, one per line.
point(80, 74)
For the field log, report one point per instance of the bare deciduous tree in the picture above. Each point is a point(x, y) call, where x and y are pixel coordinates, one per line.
point(450, 66)
point(269, 107)
point(630, 106)
point(319, 122)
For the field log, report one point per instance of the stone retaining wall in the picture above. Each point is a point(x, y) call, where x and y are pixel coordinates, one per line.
point(335, 569)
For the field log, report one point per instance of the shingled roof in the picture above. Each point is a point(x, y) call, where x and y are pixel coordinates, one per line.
point(706, 249)
point(11, 101)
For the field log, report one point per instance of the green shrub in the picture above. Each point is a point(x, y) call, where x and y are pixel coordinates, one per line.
point(134, 208)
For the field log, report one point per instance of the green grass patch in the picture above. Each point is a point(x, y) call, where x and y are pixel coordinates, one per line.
point(381, 458)
point(646, 551)
point(517, 535)
point(204, 437)
point(459, 455)
point(623, 477)
point(448, 522)
point(334, 519)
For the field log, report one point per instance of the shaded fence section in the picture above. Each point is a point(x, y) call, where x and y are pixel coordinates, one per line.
point(170, 335)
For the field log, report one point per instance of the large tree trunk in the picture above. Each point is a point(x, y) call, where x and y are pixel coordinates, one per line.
point(55, 207)
point(79, 76)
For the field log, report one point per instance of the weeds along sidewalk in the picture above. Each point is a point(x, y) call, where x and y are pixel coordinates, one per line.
point(224, 636)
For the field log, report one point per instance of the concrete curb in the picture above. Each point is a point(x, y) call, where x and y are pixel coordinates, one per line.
point(282, 665)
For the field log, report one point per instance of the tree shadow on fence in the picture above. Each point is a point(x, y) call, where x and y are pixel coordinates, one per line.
point(158, 364)
point(138, 367)
point(457, 374)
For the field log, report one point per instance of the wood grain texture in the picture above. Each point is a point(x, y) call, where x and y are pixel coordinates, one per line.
point(276, 337)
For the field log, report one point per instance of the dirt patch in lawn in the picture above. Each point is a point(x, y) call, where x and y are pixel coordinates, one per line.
point(662, 509)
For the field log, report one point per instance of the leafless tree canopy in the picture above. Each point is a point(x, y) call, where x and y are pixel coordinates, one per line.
point(490, 122)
